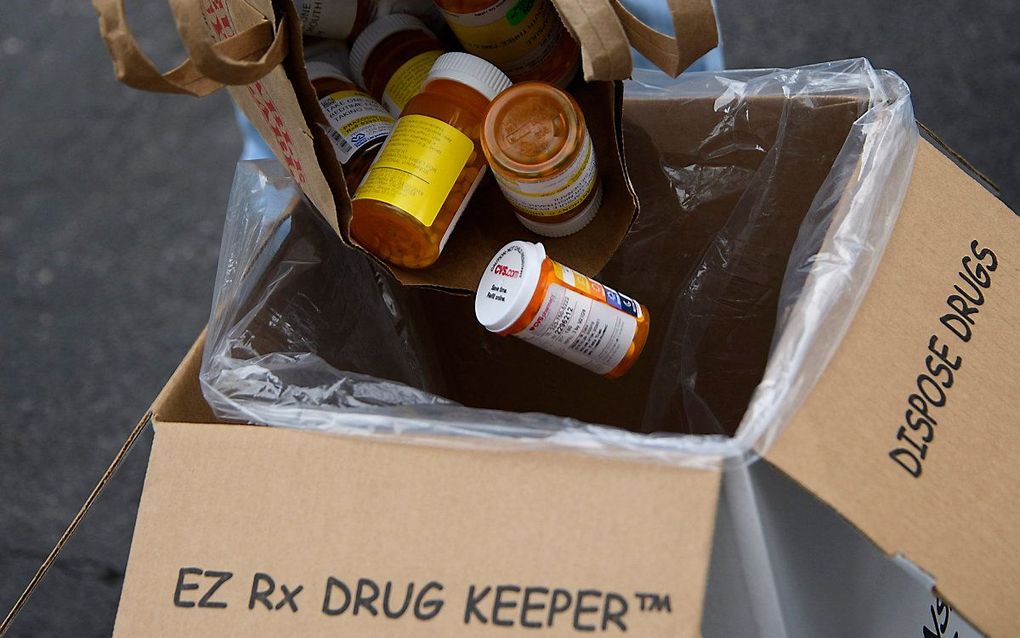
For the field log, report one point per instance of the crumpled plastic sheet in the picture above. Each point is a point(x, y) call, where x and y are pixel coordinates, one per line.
point(286, 348)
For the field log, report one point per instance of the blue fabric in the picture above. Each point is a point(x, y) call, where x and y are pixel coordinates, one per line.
point(254, 146)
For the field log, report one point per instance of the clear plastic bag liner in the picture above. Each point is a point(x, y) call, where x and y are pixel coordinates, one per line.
point(767, 198)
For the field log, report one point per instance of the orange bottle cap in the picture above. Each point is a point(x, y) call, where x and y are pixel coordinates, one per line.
point(532, 127)
point(470, 71)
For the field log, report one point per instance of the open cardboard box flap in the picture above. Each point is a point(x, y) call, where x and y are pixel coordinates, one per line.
point(303, 507)
point(957, 519)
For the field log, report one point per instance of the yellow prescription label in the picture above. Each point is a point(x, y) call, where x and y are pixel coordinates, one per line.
point(418, 167)
point(405, 83)
point(556, 195)
point(515, 35)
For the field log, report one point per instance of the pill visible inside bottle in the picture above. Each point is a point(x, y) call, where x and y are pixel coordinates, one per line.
point(417, 189)
point(539, 149)
point(526, 294)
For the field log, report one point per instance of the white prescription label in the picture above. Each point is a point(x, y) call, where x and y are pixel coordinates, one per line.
point(582, 330)
point(558, 194)
point(355, 120)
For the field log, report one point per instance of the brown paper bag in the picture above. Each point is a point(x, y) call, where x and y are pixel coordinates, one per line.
point(253, 48)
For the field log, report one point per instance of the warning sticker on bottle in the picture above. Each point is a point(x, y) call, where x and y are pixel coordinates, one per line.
point(405, 83)
point(558, 194)
point(594, 289)
point(355, 120)
point(418, 167)
point(515, 35)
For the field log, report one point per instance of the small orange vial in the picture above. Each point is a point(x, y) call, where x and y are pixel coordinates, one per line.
point(333, 19)
point(417, 188)
point(392, 57)
point(525, 294)
point(539, 149)
point(524, 38)
point(358, 125)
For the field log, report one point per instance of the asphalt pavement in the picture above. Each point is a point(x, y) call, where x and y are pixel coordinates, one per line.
point(112, 207)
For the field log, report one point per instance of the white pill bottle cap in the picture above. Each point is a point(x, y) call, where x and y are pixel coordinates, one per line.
point(471, 70)
point(508, 285)
point(375, 33)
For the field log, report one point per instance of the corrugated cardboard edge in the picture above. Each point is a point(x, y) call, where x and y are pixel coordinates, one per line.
point(844, 461)
point(174, 404)
point(72, 527)
point(960, 160)
point(166, 399)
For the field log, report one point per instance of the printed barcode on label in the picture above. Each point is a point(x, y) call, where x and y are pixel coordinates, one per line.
point(339, 142)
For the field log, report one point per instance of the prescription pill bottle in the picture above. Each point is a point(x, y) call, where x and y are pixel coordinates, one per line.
point(424, 176)
point(538, 147)
point(525, 294)
point(424, 10)
point(392, 57)
point(524, 38)
point(336, 19)
point(358, 125)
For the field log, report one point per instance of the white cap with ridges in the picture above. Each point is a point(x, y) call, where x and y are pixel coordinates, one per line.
point(508, 284)
point(471, 71)
point(376, 33)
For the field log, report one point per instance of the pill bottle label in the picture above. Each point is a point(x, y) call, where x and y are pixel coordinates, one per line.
point(355, 120)
point(463, 204)
point(581, 329)
point(515, 35)
point(328, 18)
point(594, 289)
point(558, 194)
point(405, 83)
point(418, 167)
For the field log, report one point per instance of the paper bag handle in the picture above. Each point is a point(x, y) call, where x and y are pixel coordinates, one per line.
point(208, 67)
point(606, 31)
point(605, 51)
point(695, 28)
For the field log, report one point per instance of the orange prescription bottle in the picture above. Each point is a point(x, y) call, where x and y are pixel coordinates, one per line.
point(538, 147)
point(421, 181)
point(358, 125)
point(524, 38)
point(392, 57)
point(336, 19)
point(526, 294)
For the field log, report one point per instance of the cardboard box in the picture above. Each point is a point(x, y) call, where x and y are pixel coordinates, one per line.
point(248, 530)
point(480, 540)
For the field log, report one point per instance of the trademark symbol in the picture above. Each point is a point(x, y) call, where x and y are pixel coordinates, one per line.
point(654, 602)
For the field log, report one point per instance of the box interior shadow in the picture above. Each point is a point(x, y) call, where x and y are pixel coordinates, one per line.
point(728, 187)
